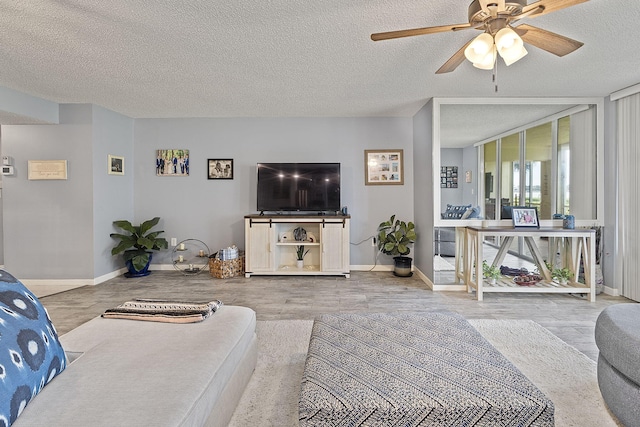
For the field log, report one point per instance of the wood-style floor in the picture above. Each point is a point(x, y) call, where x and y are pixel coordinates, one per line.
point(571, 318)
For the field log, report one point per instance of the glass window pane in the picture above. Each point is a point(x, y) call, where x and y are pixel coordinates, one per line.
point(510, 175)
point(490, 181)
point(564, 165)
point(538, 169)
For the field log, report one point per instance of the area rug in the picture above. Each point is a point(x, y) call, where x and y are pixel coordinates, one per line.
point(565, 375)
point(441, 264)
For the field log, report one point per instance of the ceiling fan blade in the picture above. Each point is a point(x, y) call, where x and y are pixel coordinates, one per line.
point(549, 6)
point(418, 31)
point(453, 62)
point(546, 40)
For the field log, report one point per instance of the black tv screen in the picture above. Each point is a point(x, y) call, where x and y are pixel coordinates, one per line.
point(308, 187)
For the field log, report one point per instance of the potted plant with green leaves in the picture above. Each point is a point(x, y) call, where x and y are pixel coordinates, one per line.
point(300, 253)
point(137, 245)
point(395, 238)
point(491, 272)
point(562, 275)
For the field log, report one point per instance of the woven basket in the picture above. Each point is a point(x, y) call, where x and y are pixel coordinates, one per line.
point(227, 268)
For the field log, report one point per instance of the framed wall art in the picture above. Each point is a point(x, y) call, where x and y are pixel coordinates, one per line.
point(383, 167)
point(174, 162)
point(115, 165)
point(525, 216)
point(220, 168)
point(449, 177)
point(47, 169)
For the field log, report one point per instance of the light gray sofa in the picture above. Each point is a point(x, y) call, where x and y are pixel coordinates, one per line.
point(618, 338)
point(137, 373)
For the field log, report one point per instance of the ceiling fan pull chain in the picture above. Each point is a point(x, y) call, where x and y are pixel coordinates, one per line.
point(495, 75)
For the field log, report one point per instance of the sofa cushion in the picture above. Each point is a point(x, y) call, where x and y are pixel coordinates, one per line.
point(455, 211)
point(617, 338)
point(30, 352)
point(136, 373)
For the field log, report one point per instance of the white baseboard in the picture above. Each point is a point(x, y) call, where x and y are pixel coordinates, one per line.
point(379, 267)
point(109, 276)
point(57, 282)
point(611, 291)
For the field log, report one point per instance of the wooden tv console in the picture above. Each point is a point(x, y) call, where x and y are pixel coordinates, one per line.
point(270, 248)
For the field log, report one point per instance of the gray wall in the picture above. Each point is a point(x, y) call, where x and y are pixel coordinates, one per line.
point(213, 210)
point(59, 229)
point(112, 194)
point(423, 188)
point(48, 225)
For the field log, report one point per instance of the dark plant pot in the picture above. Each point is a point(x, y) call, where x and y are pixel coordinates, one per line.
point(135, 273)
point(402, 266)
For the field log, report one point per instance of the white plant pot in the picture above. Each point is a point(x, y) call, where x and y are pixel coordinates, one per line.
point(562, 281)
point(492, 281)
point(300, 263)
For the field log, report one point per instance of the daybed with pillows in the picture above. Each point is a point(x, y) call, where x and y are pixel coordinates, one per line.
point(117, 372)
point(445, 237)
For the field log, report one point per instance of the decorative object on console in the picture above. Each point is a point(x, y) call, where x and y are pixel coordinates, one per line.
point(525, 216)
point(300, 253)
point(491, 272)
point(220, 168)
point(384, 167)
point(32, 354)
point(115, 165)
point(174, 162)
point(300, 234)
point(449, 177)
point(394, 238)
point(562, 275)
point(137, 245)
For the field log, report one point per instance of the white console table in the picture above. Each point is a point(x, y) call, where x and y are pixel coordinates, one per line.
point(270, 248)
point(576, 247)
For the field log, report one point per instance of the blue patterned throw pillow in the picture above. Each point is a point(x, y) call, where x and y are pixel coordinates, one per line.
point(30, 352)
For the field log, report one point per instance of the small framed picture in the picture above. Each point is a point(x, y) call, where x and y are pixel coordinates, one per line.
point(115, 165)
point(383, 167)
point(173, 162)
point(525, 216)
point(220, 168)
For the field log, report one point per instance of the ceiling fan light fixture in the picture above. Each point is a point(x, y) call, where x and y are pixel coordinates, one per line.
point(488, 61)
point(479, 48)
point(510, 46)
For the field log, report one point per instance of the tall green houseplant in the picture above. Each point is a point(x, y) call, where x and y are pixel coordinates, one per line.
point(395, 238)
point(138, 244)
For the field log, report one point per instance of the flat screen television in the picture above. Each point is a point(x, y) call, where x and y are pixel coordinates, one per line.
point(304, 187)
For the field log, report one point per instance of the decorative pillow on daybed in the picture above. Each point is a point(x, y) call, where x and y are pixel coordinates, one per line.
point(30, 352)
point(471, 213)
point(455, 211)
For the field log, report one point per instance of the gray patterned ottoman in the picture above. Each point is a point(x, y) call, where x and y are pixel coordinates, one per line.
point(427, 369)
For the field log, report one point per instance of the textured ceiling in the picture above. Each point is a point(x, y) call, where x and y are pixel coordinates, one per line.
point(290, 58)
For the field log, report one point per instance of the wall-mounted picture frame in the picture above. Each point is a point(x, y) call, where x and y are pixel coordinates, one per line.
point(220, 168)
point(46, 169)
point(384, 167)
point(172, 162)
point(448, 177)
point(525, 216)
point(115, 165)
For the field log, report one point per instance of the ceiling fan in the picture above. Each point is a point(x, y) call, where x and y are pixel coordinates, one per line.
point(495, 18)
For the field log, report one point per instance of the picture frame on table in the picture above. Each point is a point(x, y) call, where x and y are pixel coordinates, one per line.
point(384, 167)
point(525, 216)
point(220, 168)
